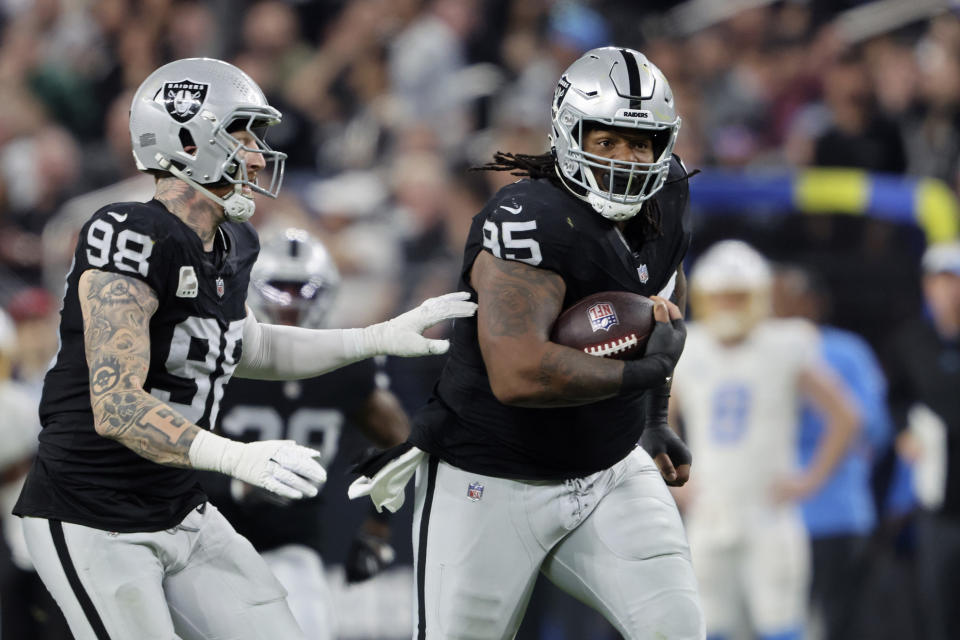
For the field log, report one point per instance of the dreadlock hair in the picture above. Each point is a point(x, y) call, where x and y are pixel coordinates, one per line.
point(543, 166)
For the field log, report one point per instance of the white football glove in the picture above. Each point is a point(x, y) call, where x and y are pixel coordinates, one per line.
point(401, 336)
point(280, 466)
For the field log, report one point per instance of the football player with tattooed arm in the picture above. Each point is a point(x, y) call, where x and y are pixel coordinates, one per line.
point(526, 456)
point(153, 325)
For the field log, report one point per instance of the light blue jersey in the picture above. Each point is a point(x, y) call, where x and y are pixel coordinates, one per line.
point(844, 505)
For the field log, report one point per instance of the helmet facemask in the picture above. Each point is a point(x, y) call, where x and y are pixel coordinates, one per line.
point(616, 189)
point(238, 206)
point(613, 88)
point(255, 122)
point(300, 303)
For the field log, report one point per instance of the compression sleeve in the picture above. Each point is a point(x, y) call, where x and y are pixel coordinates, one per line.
point(278, 352)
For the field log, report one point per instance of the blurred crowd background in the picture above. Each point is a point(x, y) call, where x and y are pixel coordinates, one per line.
point(388, 103)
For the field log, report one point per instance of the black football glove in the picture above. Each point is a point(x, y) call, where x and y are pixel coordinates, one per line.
point(663, 350)
point(368, 556)
point(668, 451)
point(658, 439)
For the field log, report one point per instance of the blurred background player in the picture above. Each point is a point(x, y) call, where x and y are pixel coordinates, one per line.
point(841, 515)
point(925, 398)
point(739, 389)
point(26, 608)
point(294, 282)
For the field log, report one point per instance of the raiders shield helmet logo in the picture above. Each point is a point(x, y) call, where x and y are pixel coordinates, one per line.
point(183, 99)
point(560, 93)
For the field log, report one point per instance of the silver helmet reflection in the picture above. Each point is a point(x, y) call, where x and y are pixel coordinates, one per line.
point(613, 87)
point(294, 280)
point(183, 119)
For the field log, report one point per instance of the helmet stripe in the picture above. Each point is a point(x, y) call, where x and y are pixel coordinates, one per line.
point(633, 73)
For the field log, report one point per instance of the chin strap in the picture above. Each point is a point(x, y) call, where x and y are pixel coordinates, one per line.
point(236, 206)
point(615, 211)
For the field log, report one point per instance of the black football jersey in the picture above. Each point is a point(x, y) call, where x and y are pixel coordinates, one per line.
point(195, 338)
point(541, 224)
point(314, 412)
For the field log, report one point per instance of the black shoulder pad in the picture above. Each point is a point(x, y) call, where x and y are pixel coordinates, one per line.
point(525, 221)
point(126, 238)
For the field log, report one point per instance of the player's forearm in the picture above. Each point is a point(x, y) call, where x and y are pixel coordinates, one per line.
point(116, 318)
point(382, 419)
point(275, 352)
point(826, 391)
point(840, 428)
point(558, 376)
point(145, 425)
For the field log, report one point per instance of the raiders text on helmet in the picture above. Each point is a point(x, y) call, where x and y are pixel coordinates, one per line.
point(617, 88)
point(197, 103)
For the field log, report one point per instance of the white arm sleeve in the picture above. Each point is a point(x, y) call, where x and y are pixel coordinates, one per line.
point(278, 352)
point(275, 352)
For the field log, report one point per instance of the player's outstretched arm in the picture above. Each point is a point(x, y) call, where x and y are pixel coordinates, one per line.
point(518, 306)
point(275, 352)
point(116, 327)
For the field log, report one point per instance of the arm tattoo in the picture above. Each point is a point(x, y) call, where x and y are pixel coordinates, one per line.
point(570, 378)
point(116, 313)
point(523, 299)
point(518, 306)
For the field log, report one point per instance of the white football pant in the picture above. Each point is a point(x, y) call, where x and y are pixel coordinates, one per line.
point(765, 569)
point(613, 539)
point(300, 570)
point(196, 581)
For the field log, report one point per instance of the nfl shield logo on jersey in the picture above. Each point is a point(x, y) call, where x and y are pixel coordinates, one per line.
point(183, 99)
point(602, 316)
point(643, 273)
point(475, 491)
point(220, 288)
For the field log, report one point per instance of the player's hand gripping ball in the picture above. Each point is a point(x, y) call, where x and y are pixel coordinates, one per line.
point(611, 324)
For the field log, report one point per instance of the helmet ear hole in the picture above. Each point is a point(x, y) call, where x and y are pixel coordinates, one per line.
point(186, 139)
point(660, 140)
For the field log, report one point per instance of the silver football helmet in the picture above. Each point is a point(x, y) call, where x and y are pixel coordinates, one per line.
point(613, 87)
point(294, 280)
point(730, 289)
point(200, 102)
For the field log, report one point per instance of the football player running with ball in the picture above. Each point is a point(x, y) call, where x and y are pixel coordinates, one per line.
point(153, 325)
point(526, 456)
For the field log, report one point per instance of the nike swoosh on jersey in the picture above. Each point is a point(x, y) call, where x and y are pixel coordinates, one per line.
point(119, 217)
point(513, 210)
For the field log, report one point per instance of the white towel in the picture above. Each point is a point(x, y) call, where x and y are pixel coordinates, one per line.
point(386, 487)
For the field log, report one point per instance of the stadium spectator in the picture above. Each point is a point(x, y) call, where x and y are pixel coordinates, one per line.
point(26, 608)
point(924, 398)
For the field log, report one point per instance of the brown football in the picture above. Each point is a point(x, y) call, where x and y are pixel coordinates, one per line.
point(612, 324)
